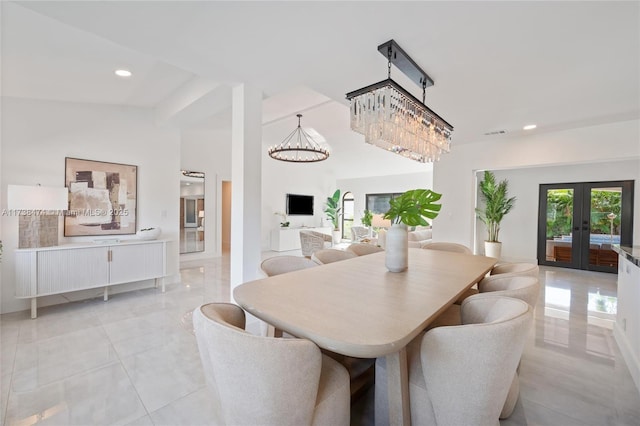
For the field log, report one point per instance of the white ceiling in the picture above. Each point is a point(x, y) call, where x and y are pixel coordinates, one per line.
point(496, 65)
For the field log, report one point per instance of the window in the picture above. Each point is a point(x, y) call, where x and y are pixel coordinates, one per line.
point(347, 214)
point(379, 203)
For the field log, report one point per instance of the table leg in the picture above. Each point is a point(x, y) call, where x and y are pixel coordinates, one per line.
point(398, 388)
point(34, 308)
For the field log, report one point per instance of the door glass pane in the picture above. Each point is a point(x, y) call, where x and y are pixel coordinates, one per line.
point(559, 225)
point(605, 225)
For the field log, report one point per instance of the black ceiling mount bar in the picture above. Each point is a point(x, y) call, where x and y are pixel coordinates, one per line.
point(404, 63)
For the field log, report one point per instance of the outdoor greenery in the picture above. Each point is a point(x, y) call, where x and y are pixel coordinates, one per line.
point(497, 204)
point(332, 209)
point(367, 217)
point(603, 203)
point(414, 207)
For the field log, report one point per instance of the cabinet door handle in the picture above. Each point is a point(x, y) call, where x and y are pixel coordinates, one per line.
point(109, 256)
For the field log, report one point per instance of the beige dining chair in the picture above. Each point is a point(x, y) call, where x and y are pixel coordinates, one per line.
point(468, 368)
point(282, 264)
point(325, 256)
point(518, 268)
point(362, 249)
point(525, 288)
point(310, 241)
point(260, 380)
point(444, 246)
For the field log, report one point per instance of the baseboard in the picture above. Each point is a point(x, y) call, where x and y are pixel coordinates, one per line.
point(632, 361)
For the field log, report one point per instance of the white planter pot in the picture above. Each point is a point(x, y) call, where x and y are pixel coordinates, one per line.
point(337, 236)
point(492, 249)
point(397, 248)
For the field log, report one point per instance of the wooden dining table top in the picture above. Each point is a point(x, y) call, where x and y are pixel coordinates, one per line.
point(356, 307)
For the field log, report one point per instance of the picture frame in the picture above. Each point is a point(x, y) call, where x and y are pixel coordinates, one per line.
point(102, 198)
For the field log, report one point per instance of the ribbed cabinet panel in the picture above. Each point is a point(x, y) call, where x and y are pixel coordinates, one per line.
point(137, 262)
point(75, 269)
point(26, 273)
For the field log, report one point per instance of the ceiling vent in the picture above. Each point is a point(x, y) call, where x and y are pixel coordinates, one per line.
point(497, 132)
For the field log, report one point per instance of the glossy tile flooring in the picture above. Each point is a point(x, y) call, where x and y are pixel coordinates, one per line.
point(134, 360)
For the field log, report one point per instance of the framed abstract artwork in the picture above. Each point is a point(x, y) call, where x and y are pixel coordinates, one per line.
point(102, 198)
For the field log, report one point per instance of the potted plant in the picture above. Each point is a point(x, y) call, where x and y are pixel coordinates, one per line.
point(496, 205)
point(332, 209)
point(411, 208)
point(285, 223)
point(367, 217)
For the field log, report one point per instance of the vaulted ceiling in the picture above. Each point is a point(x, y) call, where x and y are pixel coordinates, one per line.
point(497, 66)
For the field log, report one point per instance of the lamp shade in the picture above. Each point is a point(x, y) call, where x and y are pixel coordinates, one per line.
point(23, 197)
point(378, 221)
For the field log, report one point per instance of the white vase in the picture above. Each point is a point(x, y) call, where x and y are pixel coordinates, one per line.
point(337, 236)
point(397, 248)
point(492, 249)
point(148, 234)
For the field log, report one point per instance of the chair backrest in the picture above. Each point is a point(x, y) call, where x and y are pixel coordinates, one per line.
point(361, 249)
point(282, 264)
point(469, 368)
point(311, 241)
point(331, 255)
point(518, 268)
point(521, 287)
point(254, 379)
point(358, 233)
point(452, 247)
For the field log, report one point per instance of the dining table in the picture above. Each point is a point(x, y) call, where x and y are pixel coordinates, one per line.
point(357, 308)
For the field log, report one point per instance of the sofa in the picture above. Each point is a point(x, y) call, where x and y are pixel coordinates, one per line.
point(420, 236)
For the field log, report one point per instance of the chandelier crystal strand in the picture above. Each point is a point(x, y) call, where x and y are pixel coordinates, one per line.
point(391, 118)
point(392, 121)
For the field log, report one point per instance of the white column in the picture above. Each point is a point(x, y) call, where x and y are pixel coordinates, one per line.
point(246, 187)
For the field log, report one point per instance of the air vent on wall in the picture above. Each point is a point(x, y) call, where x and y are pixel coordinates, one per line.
point(497, 132)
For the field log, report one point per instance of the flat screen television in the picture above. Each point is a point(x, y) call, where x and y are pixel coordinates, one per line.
point(299, 205)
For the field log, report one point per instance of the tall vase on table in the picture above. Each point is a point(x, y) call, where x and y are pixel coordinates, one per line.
point(397, 248)
point(411, 208)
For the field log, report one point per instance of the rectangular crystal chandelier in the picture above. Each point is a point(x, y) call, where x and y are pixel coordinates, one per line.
point(391, 118)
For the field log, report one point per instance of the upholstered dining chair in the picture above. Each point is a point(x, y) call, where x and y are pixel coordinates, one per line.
point(468, 368)
point(518, 268)
point(525, 288)
point(452, 247)
point(361, 249)
point(260, 380)
point(324, 256)
point(311, 241)
point(282, 264)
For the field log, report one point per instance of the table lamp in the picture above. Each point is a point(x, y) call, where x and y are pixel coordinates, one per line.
point(378, 221)
point(38, 209)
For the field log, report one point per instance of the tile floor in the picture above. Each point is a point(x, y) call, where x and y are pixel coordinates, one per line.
point(134, 361)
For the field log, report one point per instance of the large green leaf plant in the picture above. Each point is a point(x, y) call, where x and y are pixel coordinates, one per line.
point(414, 207)
point(496, 204)
point(332, 209)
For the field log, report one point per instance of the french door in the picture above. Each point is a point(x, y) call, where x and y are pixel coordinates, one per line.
point(579, 222)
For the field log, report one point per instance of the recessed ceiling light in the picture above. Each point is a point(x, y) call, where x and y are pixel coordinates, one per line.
point(529, 127)
point(123, 73)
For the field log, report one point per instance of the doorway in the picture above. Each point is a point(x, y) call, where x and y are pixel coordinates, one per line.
point(579, 222)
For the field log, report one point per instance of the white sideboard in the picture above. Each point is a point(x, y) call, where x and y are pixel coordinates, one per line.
point(285, 239)
point(53, 270)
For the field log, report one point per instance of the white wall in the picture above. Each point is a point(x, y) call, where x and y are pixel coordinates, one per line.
point(384, 184)
point(38, 135)
point(454, 174)
point(280, 178)
point(519, 229)
point(208, 152)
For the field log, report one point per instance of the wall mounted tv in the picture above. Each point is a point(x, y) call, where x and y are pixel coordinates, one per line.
point(299, 205)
